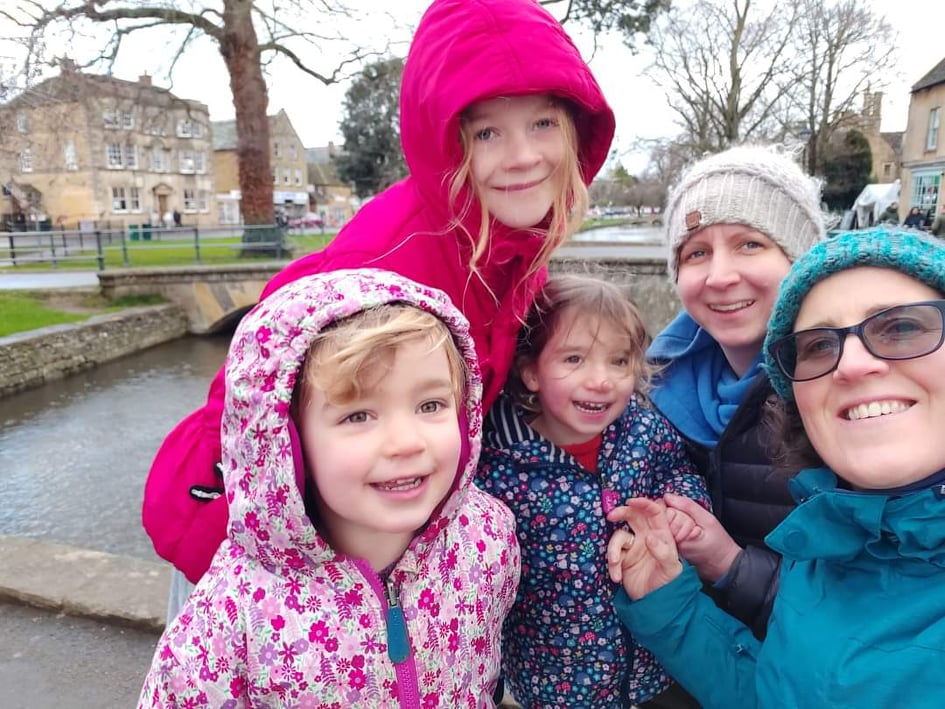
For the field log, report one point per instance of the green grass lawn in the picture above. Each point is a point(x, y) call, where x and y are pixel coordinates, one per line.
point(21, 311)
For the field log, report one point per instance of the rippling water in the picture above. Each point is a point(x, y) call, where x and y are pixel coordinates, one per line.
point(74, 453)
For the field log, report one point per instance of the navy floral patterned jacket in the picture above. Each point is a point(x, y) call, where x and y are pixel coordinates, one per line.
point(563, 644)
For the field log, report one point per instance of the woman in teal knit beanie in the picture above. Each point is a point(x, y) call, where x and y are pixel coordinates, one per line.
point(854, 352)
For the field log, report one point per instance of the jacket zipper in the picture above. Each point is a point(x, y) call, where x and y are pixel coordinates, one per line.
point(398, 642)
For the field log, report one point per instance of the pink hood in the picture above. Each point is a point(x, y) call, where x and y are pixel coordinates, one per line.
point(261, 472)
point(467, 50)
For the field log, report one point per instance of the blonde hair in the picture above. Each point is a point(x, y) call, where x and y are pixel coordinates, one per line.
point(348, 357)
point(589, 298)
point(567, 209)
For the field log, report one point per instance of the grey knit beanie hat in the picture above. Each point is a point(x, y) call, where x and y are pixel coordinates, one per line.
point(752, 185)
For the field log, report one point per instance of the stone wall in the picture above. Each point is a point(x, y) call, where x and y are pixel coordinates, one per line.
point(32, 358)
point(646, 280)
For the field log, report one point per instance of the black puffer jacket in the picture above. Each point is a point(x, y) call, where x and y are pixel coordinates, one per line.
point(750, 497)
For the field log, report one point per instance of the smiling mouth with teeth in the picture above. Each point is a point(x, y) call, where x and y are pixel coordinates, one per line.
point(731, 307)
point(874, 409)
point(591, 407)
point(400, 485)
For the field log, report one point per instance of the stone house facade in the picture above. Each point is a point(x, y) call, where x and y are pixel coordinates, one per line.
point(923, 148)
point(289, 175)
point(332, 198)
point(92, 151)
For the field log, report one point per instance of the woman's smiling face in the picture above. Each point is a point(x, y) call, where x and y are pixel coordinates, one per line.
point(729, 276)
point(877, 423)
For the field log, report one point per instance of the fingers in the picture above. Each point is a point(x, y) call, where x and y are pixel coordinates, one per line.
point(620, 542)
point(692, 508)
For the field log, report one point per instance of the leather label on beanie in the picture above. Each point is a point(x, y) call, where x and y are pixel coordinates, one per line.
point(693, 220)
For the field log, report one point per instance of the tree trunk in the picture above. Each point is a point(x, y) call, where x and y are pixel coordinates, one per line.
point(240, 50)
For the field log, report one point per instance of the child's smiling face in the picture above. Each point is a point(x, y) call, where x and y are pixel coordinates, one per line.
point(583, 378)
point(382, 462)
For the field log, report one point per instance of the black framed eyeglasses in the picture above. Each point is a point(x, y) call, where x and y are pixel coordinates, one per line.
point(901, 332)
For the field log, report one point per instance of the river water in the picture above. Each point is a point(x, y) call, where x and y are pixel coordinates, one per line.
point(74, 453)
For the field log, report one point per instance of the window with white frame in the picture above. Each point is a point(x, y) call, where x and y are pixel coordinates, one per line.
point(925, 189)
point(286, 176)
point(200, 162)
point(203, 201)
point(931, 138)
point(158, 161)
point(187, 128)
point(135, 199)
point(119, 200)
point(127, 120)
point(275, 177)
point(275, 149)
point(111, 119)
point(294, 151)
point(190, 201)
point(131, 156)
point(186, 160)
point(26, 160)
point(69, 156)
point(298, 176)
point(113, 156)
point(21, 123)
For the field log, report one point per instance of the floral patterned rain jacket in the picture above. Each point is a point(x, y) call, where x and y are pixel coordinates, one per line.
point(281, 619)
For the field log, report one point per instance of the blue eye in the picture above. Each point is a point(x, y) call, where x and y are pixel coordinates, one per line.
point(356, 417)
point(484, 134)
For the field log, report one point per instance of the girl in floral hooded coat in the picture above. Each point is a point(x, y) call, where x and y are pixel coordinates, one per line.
point(361, 566)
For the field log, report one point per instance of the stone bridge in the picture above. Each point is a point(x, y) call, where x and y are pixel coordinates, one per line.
point(215, 297)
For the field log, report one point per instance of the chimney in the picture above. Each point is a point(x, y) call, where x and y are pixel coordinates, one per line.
point(145, 79)
point(66, 65)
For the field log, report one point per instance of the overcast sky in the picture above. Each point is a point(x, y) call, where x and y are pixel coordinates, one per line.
point(638, 102)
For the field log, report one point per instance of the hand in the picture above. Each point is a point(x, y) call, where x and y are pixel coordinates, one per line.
point(682, 526)
point(710, 548)
point(644, 559)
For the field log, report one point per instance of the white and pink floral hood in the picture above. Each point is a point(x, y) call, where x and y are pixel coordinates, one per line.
point(280, 619)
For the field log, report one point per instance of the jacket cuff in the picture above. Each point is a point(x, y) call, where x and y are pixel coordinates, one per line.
point(747, 591)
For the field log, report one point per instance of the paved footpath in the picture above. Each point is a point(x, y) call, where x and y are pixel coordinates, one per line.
point(78, 626)
point(44, 280)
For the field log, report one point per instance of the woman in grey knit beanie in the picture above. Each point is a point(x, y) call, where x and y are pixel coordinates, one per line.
point(733, 225)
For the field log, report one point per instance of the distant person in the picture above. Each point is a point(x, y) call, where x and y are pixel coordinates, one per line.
point(168, 220)
point(574, 438)
point(176, 217)
point(362, 567)
point(890, 215)
point(938, 224)
point(915, 219)
point(499, 166)
point(854, 351)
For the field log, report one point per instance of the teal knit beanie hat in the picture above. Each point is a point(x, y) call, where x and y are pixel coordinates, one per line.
point(908, 252)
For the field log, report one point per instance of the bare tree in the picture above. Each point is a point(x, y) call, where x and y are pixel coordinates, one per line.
point(629, 17)
point(846, 49)
point(247, 33)
point(728, 67)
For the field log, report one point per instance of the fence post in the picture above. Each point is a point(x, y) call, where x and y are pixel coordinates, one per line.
point(124, 247)
point(197, 243)
point(52, 249)
point(98, 248)
point(12, 249)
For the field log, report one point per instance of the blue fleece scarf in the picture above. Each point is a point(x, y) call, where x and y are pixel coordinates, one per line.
point(697, 391)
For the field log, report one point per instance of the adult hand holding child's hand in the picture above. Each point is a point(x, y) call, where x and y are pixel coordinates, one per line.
point(708, 547)
point(645, 559)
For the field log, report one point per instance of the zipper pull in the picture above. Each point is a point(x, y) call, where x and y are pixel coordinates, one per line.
point(398, 647)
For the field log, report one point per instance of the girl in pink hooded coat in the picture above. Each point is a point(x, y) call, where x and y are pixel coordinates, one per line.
point(362, 568)
point(480, 231)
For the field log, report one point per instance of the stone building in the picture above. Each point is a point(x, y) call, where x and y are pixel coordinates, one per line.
point(86, 150)
point(289, 175)
point(332, 198)
point(923, 148)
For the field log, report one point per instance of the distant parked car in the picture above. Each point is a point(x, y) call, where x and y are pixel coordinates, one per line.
point(308, 221)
